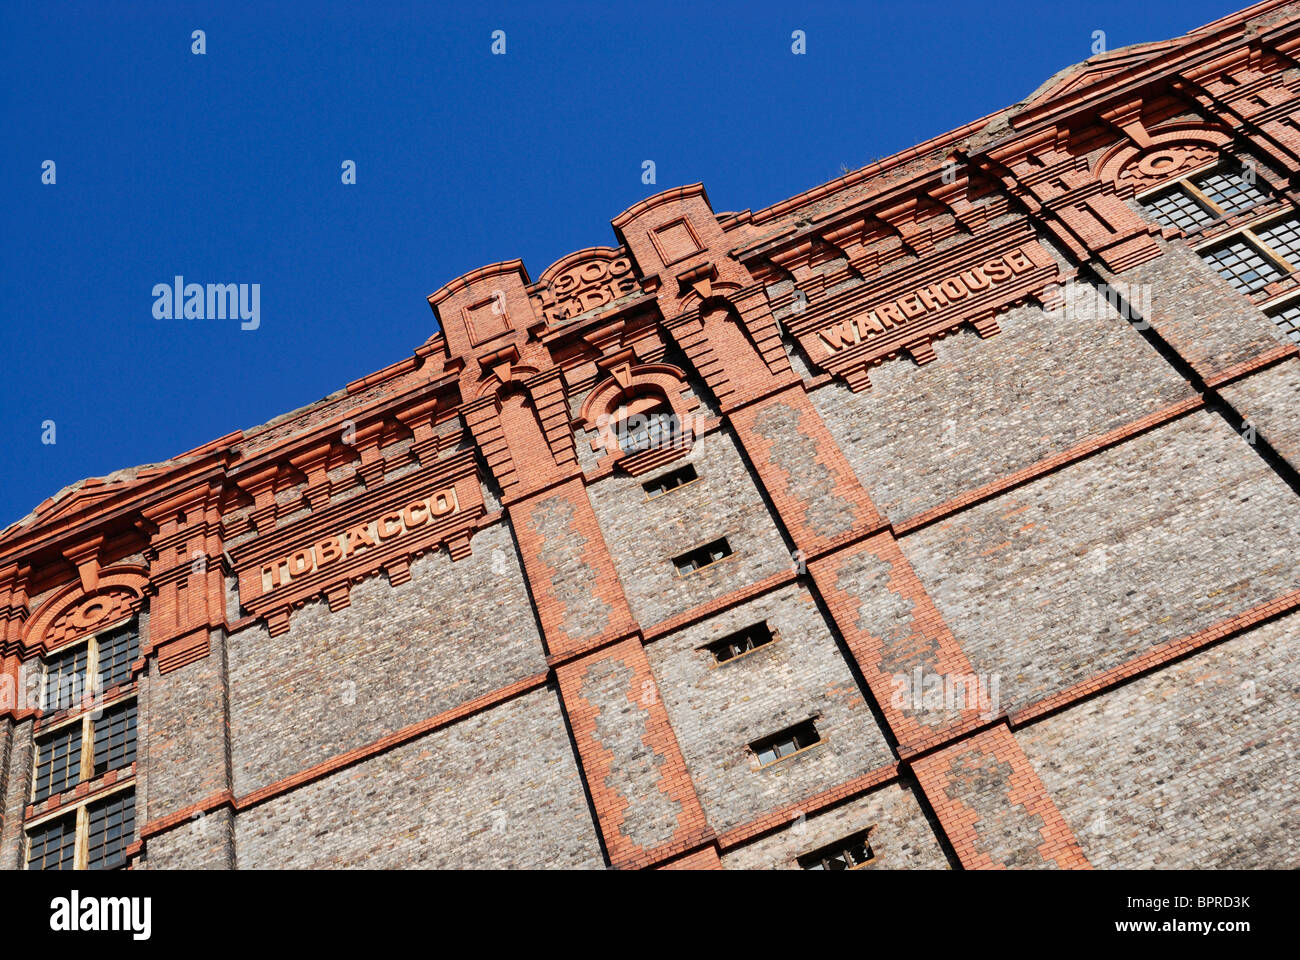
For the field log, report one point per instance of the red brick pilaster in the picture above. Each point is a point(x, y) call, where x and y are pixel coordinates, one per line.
point(816, 494)
point(185, 576)
point(576, 590)
point(899, 640)
point(645, 802)
point(994, 808)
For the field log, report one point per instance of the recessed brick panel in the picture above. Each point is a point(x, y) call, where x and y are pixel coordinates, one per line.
point(1190, 767)
point(719, 709)
point(393, 657)
point(987, 408)
point(1270, 402)
point(499, 789)
point(1155, 539)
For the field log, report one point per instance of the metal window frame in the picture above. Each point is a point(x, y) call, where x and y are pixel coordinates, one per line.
point(81, 845)
point(841, 847)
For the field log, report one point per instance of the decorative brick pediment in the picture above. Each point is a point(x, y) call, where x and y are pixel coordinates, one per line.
point(75, 611)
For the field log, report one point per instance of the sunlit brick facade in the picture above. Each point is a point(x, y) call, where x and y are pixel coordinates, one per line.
point(944, 515)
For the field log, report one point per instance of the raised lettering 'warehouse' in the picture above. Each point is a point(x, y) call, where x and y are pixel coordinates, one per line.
point(855, 532)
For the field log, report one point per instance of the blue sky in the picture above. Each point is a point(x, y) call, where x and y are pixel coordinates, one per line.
point(226, 168)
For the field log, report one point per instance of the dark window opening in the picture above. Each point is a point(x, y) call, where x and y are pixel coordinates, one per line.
point(846, 854)
point(670, 481)
point(741, 642)
point(702, 556)
point(781, 745)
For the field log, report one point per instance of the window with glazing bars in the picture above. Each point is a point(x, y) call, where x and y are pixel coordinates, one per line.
point(111, 653)
point(65, 679)
point(1281, 237)
point(1202, 198)
point(847, 854)
point(702, 556)
point(1229, 188)
point(741, 642)
point(1178, 208)
point(109, 830)
point(1287, 317)
point(115, 738)
point(58, 761)
point(52, 845)
point(778, 746)
point(117, 650)
point(1244, 265)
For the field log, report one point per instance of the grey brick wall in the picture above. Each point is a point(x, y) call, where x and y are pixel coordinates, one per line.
point(902, 838)
point(1270, 400)
point(204, 842)
point(395, 656)
point(1199, 313)
point(1189, 767)
point(1154, 539)
point(17, 790)
point(183, 753)
point(17, 741)
point(645, 535)
point(718, 709)
point(986, 408)
point(499, 789)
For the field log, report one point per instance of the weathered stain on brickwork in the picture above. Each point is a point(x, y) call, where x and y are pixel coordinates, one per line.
point(622, 726)
point(811, 482)
point(585, 614)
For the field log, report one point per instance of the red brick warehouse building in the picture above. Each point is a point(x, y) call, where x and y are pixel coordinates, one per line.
point(943, 515)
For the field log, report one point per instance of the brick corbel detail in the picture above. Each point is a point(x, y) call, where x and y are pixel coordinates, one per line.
point(260, 485)
point(1083, 214)
point(987, 795)
point(14, 610)
point(371, 466)
point(185, 576)
point(425, 440)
